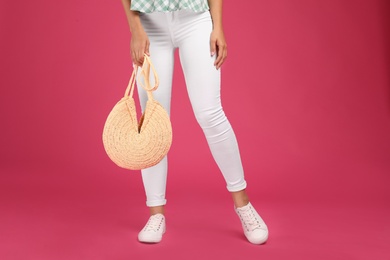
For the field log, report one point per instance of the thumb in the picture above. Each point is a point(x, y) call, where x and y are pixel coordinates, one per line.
point(213, 47)
point(147, 48)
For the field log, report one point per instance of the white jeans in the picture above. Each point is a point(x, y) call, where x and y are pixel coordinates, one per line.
point(190, 32)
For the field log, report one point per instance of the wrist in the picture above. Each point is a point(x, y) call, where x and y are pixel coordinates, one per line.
point(134, 22)
point(217, 25)
point(218, 29)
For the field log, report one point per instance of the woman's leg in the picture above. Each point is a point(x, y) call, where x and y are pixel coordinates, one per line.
point(155, 178)
point(162, 55)
point(203, 83)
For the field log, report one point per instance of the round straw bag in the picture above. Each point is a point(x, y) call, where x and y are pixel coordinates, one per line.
point(138, 145)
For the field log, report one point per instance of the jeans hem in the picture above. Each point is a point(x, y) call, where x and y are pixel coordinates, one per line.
point(156, 203)
point(239, 187)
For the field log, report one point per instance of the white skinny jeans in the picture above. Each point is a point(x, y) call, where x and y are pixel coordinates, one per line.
point(190, 32)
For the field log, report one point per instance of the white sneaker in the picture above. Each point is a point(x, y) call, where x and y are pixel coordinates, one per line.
point(153, 230)
point(255, 229)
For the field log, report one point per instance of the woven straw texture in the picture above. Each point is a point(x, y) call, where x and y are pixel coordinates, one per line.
point(138, 145)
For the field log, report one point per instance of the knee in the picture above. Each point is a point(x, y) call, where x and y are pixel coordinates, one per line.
point(210, 118)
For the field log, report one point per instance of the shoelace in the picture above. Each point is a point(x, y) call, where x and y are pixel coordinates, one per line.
point(154, 223)
point(250, 220)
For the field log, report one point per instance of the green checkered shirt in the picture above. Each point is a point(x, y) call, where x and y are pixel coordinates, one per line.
point(149, 6)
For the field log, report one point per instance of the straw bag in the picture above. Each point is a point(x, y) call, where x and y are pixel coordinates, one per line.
point(138, 145)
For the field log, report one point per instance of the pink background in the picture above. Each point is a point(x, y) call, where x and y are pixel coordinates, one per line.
point(306, 88)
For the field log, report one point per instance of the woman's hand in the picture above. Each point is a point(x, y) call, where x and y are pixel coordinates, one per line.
point(217, 38)
point(139, 45)
point(218, 46)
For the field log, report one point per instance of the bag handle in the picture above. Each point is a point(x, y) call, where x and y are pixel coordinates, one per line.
point(145, 72)
point(130, 86)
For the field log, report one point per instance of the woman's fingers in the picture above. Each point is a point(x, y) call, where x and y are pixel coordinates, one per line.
point(137, 55)
point(139, 45)
point(221, 55)
point(140, 57)
point(218, 46)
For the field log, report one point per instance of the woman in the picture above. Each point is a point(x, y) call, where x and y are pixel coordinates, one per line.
point(157, 28)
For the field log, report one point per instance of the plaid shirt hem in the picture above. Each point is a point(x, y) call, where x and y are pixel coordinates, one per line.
point(150, 6)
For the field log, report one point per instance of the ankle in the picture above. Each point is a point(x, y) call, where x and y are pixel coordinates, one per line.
point(241, 203)
point(240, 198)
point(156, 210)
